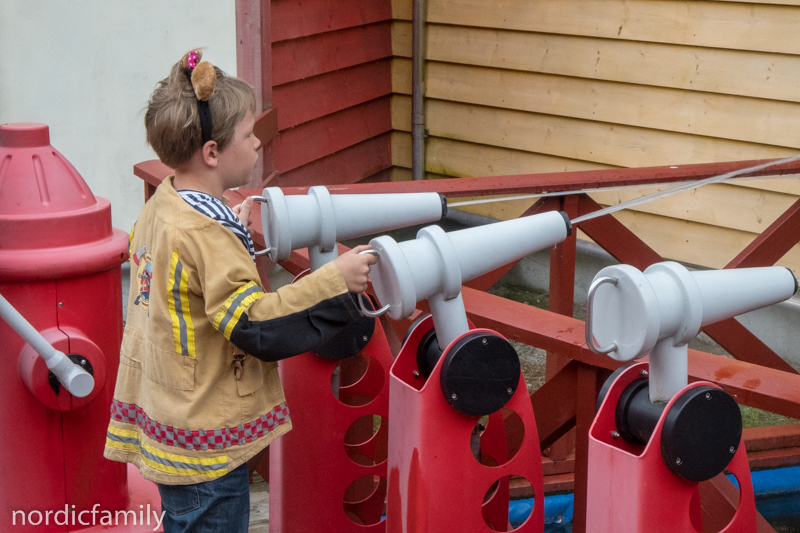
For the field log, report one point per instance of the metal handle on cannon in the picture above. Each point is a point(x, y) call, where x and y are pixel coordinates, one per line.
point(364, 311)
point(268, 249)
point(589, 312)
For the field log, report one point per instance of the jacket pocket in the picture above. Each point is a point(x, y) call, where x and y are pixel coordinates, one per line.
point(168, 368)
point(249, 374)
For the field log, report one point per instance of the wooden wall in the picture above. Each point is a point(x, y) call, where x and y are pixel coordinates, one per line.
point(527, 86)
point(331, 79)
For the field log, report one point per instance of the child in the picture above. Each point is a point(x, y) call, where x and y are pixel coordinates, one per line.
point(198, 392)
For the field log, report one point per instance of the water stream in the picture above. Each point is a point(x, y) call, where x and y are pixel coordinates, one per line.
point(636, 201)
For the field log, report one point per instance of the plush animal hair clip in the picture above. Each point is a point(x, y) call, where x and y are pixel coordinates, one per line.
point(203, 76)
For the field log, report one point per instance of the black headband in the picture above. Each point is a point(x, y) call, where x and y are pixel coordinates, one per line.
point(203, 110)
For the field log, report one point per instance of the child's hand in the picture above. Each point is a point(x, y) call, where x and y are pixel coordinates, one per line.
point(355, 268)
point(243, 212)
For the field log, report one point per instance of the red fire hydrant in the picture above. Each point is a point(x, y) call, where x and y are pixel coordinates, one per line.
point(60, 268)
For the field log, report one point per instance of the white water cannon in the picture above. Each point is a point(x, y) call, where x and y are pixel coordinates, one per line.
point(480, 370)
point(77, 381)
point(435, 264)
point(319, 219)
point(631, 313)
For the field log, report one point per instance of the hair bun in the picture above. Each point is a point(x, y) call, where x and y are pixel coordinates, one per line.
point(204, 78)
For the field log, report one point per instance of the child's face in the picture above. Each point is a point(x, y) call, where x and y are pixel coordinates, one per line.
point(237, 160)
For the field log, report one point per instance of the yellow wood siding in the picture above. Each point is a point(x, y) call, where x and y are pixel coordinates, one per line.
point(514, 86)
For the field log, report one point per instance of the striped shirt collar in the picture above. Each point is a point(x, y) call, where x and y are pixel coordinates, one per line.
point(215, 209)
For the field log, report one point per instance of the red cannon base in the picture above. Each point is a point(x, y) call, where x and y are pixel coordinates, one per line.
point(630, 489)
point(436, 482)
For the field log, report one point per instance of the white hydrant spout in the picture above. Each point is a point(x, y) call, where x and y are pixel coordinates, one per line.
point(77, 381)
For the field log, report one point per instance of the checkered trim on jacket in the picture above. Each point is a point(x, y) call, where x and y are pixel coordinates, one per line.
point(199, 439)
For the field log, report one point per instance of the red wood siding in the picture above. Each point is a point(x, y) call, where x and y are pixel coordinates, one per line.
point(310, 56)
point(331, 80)
point(359, 162)
point(308, 142)
point(300, 18)
point(312, 98)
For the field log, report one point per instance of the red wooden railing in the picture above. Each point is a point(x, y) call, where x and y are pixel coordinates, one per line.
point(757, 377)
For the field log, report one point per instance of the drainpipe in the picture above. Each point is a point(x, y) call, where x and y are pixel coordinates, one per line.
point(417, 92)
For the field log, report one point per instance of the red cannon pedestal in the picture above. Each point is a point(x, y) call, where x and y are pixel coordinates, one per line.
point(631, 488)
point(445, 472)
point(329, 472)
point(60, 268)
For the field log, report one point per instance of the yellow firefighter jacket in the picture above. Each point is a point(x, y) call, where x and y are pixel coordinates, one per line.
point(198, 391)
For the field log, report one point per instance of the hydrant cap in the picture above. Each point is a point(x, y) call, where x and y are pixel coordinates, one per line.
point(35, 179)
point(24, 134)
point(53, 226)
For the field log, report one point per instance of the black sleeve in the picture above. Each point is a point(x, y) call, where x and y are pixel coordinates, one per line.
point(297, 333)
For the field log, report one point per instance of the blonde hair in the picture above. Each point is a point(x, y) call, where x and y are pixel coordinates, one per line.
point(172, 121)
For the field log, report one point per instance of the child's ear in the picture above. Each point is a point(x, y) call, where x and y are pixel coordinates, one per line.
point(210, 154)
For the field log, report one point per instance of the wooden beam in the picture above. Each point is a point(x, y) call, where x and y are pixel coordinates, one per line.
point(554, 405)
point(773, 243)
point(562, 269)
point(561, 300)
point(588, 387)
point(266, 127)
point(771, 437)
point(615, 238)
point(719, 499)
point(152, 172)
point(570, 181)
point(743, 345)
point(249, 63)
point(537, 183)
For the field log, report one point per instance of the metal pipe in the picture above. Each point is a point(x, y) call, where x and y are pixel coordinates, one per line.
point(77, 381)
point(417, 92)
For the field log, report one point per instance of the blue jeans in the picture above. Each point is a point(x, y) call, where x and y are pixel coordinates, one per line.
point(218, 506)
